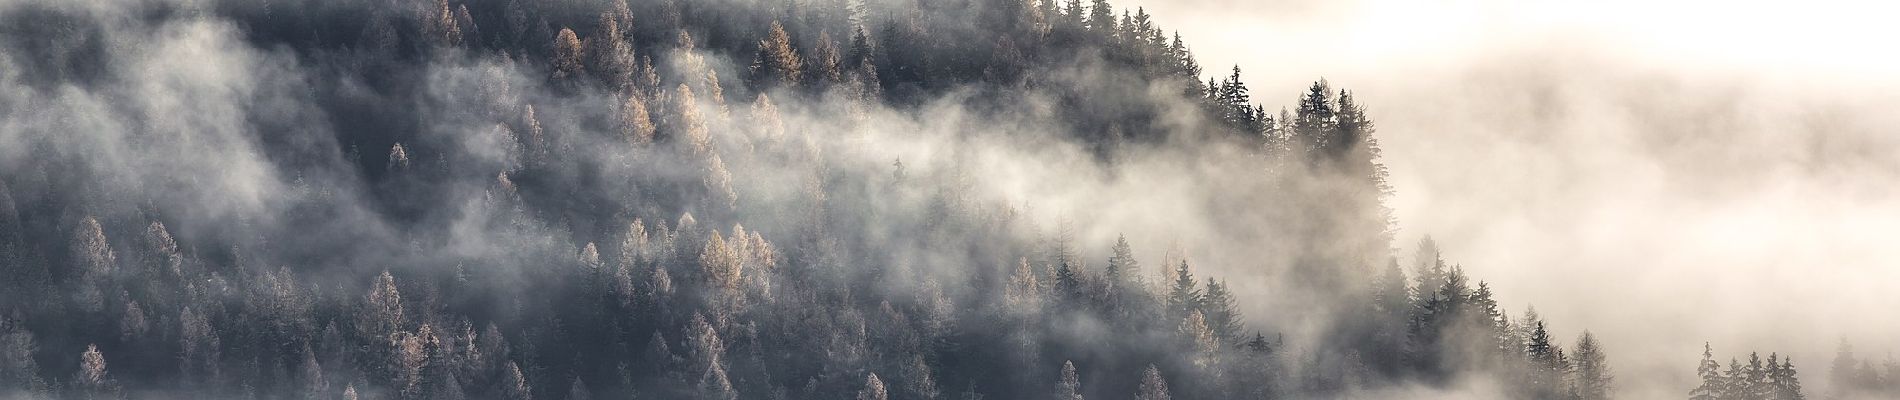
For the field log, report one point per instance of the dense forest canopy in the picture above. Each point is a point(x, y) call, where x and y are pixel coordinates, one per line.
point(712, 199)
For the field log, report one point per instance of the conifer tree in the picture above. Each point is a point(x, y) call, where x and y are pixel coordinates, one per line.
point(1429, 268)
point(514, 385)
point(1788, 383)
point(1101, 18)
point(1222, 312)
point(1206, 348)
point(1152, 386)
point(1593, 379)
point(1736, 384)
point(1546, 375)
point(443, 28)
point(1844, 374)
point(18, 369)
point(1313, 121)
point(1235, 104)
point(1024, 293)
point(1073, 14)
point(826, 62)
point(1070, 387)
point(1068, 285)
point(1121, 264)
point(1389, 290)
point(636, 125)
point(1186, 67)
point(567, 56)
point(92, 370)
point(1183, 297)
point(1710, 372)
point(873, 389)
point(776, 63)
point(97, 264)
point(609, 55)
point(1756, 375)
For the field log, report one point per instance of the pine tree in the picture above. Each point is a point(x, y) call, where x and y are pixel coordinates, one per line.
point(1101, 18)
point(1546, 364)
point(442, 27)
point(567, 56)
point(1350, 126)
point(1235, 104)
point(1073, 14)
point(873, 389)
point(1068, 286)
point(1070, 388)
point(1183, 298)
point(1593, 378)
point(776, 63)
point(310, 374)
point(97, 264)
point(636, 125)
point(1121, 264)
point(18, 369)
point(1787, 383)
point(382, 308)
point(1313, 123)
point(1152, 386)
point(610, 57)
point(1187, 68)
point(1758, 386)
point(1222, 312)
point(1736, 385)
point(1712, 386)
point(826, 61)
point(514, 386)
point(1206, 348)
point(917, 380)
point(1389, 290)
point(133, 323)
point(1843, 374)
point(92, 369)
point(1429, 268)
point(721, 268)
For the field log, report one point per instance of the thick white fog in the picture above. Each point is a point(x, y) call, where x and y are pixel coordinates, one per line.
point(1663, 173)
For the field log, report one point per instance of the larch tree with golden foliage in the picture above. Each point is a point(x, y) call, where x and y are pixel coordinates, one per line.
point(567, 56)
point(777, 63)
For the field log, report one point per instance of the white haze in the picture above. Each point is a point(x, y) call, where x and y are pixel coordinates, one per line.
point(1662, 173)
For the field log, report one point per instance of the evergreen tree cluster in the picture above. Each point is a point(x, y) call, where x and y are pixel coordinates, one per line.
point(628, 206)
point(1851, 376)
point(1774, 380)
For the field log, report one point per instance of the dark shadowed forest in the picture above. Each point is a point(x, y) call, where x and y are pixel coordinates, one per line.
point(719, 199)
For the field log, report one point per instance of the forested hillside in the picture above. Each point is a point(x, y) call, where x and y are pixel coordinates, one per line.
point(720, 199)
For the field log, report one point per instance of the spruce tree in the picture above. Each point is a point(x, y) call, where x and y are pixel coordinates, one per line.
point(873, 389)
point(1121, 265)
point(1152, 386)
point(1787, 383)
point(1546, 375)
point(1314, 119)
point(1711, 375)
point(1183, 297)
point(1070, 387)
point(1223, 314)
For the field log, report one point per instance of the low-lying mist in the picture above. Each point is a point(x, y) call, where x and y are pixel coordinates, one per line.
point(1663, 173)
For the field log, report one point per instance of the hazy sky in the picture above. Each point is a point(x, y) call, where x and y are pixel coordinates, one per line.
point(1662, 173)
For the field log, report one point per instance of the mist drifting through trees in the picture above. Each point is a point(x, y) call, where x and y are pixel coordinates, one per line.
point(725, 199)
